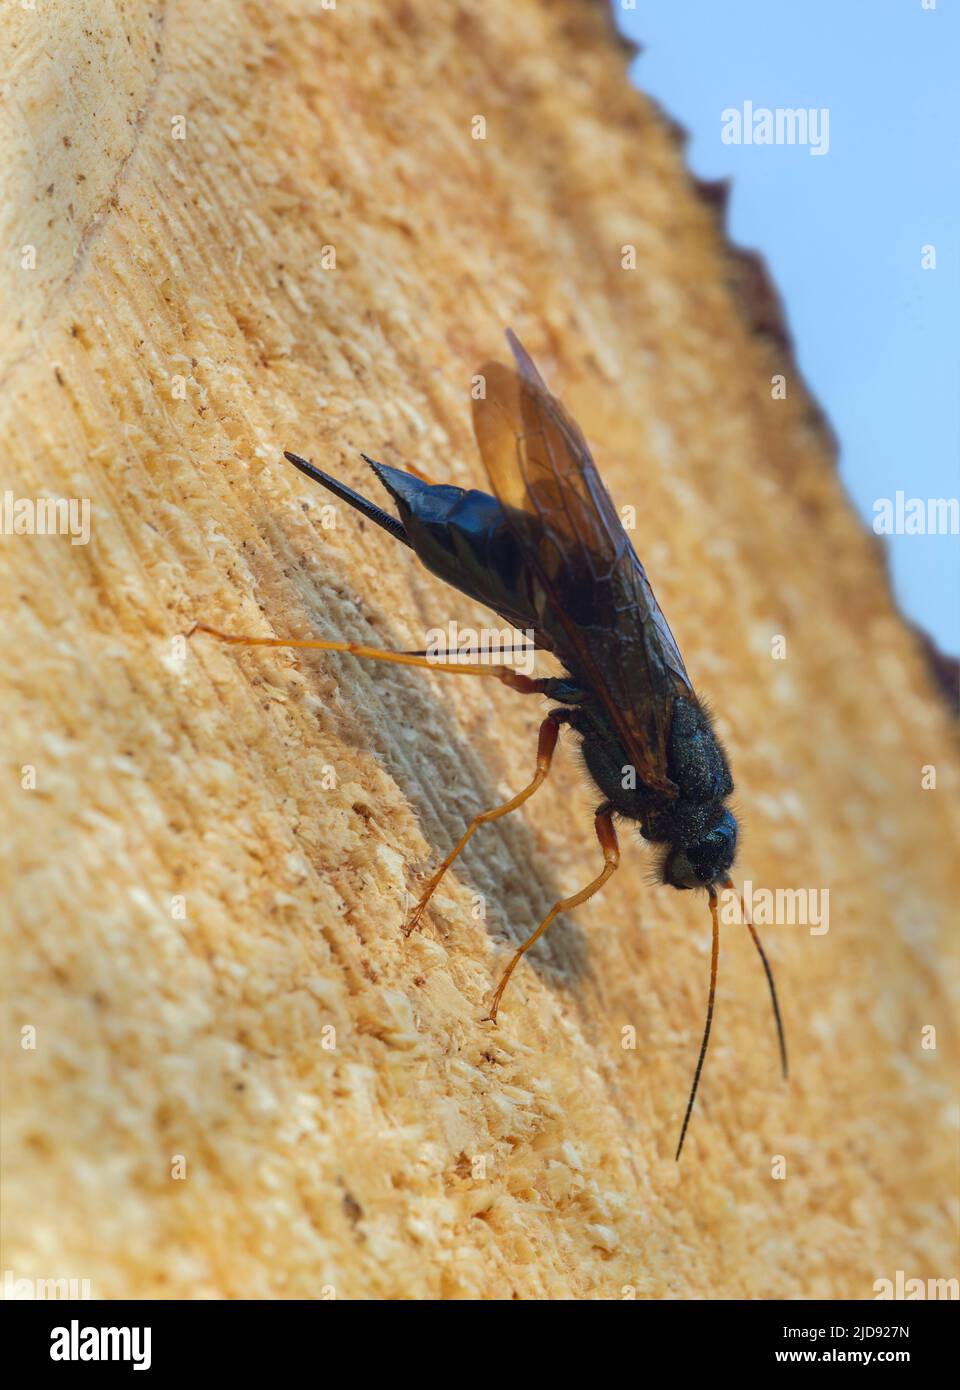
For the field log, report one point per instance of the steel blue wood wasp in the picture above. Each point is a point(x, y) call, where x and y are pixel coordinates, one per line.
point(548, 552)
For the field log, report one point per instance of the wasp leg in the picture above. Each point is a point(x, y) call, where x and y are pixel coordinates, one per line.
point(607, 835)
point(526, 685)
point(547, 742)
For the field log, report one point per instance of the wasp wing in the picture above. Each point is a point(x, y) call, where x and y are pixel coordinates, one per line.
point(599, 607)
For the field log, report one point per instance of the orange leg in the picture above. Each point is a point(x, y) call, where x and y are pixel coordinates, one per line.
point(526, 685)
point(607, 835)
point(549, 731)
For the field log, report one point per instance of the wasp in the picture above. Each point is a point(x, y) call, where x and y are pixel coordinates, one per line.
point(547, 551)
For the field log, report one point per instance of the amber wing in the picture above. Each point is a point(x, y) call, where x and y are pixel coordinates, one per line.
point(601, 609)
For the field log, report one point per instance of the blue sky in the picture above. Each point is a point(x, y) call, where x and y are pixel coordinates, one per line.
point(877, 336)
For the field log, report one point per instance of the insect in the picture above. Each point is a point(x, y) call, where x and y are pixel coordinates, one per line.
point(548, 552)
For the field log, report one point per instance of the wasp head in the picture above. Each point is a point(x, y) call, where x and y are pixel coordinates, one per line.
point(702, 863)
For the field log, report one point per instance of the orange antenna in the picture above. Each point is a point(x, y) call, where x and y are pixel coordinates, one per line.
point(714, 959)
point(728, 883)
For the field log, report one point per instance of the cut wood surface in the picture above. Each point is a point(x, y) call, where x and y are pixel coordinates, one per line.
point(258, 227)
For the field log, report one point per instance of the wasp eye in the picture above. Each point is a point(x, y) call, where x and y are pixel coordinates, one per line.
point(678, 871)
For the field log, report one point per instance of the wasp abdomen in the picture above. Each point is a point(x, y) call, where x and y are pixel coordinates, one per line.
point(462, 537)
